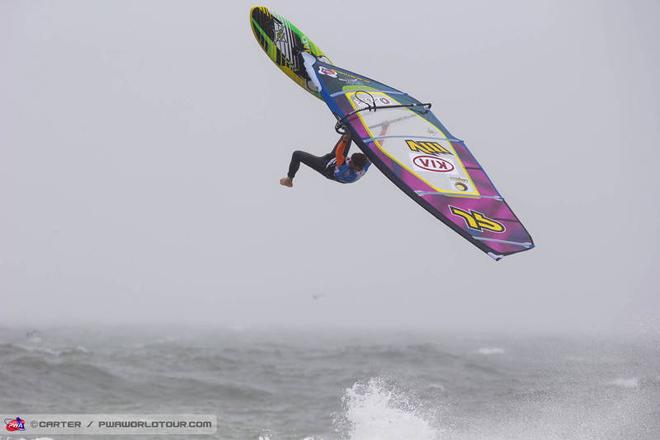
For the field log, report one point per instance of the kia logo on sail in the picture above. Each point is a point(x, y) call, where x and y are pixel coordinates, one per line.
point(435, 164)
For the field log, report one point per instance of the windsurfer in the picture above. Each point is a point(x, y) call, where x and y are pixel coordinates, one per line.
point(335, 165)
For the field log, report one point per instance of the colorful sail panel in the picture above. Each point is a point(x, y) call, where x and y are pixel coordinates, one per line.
point(405, 140)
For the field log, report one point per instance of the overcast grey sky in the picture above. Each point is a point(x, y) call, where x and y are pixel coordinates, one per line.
point(141, 144)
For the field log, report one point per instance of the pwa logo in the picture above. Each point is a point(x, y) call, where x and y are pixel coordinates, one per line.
point(432, 163)
point(16, 424)
point(478, 221)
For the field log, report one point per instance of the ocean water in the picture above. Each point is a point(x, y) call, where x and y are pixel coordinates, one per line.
point(313, 385)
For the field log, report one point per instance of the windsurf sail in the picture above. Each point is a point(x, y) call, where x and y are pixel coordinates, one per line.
point(407, 142)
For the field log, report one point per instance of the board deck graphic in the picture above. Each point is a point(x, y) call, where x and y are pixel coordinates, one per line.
point(284, 43)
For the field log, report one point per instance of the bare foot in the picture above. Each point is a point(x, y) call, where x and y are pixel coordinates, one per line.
point(286, 181)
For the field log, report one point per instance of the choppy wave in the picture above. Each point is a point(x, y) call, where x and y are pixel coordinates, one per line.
point(376, 410)
point(490, 350)
point(275, 388)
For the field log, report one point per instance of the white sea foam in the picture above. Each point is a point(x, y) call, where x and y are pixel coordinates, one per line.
point(55, 352)
point(490, 350)
point(625, 382)
point(81, 349)
point(37, 438)
point(374, 411)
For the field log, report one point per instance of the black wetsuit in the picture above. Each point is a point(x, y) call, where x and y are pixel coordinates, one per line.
point(323, 164)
